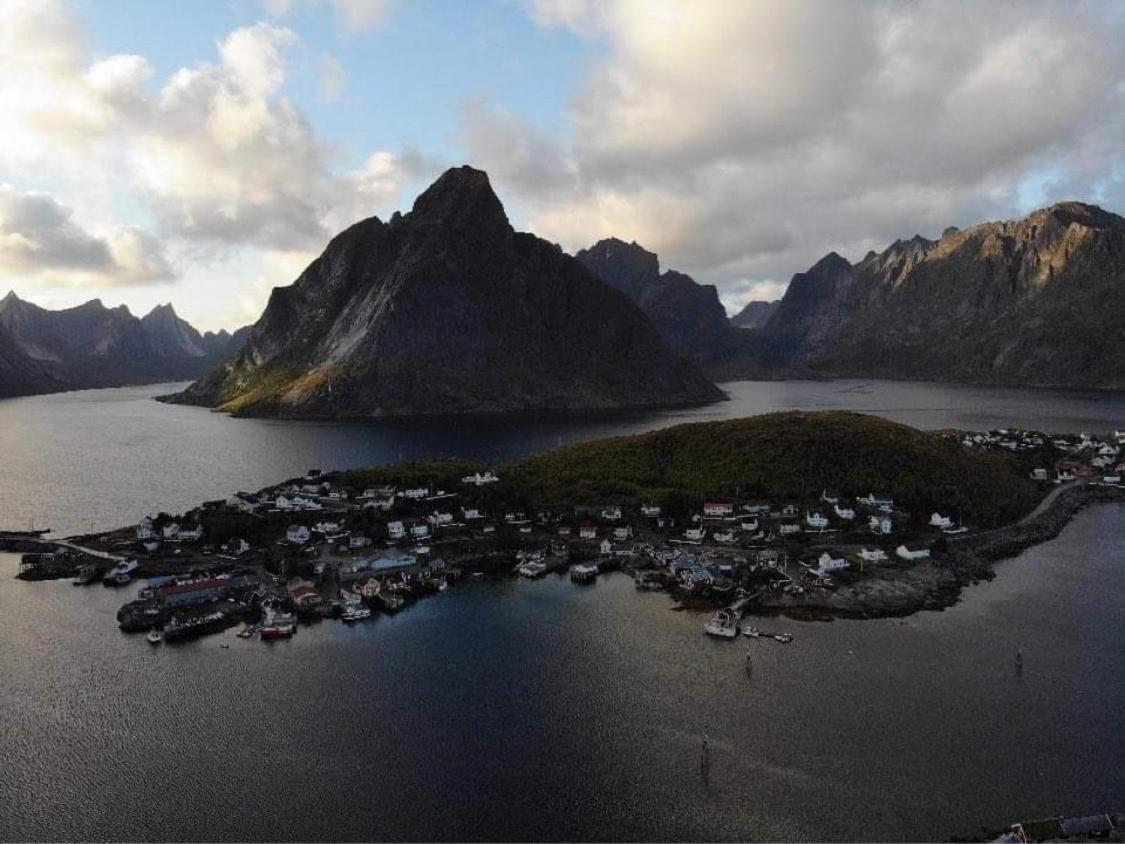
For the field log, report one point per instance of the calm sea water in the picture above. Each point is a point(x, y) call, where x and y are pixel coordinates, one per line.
point(101, 458)
point(526, 710)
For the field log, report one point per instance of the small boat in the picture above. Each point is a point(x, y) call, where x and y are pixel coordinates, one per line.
point(583, 573)
point(247, 632)
point(85, 575)
point(121, 573)
point(723, 625)
point(155, 637)
point(356, 612)
point(533, 569)
point(784, 638)
point(443, 585)
point(752, 632)
point(278, 625)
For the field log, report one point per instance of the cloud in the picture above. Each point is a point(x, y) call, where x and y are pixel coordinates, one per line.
point(745, 140)
point(39, 239)
point(332, 79)
point(354, 15)
point(215, 153)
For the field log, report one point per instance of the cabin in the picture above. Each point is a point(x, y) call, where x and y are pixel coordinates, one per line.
point(816, 521)
point(650, 511)
point(695, 534)
point(789, 511)
point(587, 532)
point(1039, 474)
point(297, 535)
point(416, 493)
point(881, 524)
point(829, 562)
point(717, 509)
point(419, 531)
point(842, 512)
point(440, 519)
point(749, 526)
point(477, 479)
point(611, 514)
point(756, 508)
point(878, 501)
point(190, 533)
point(606, 547)
point(171, 531)
point(145, 530)
point(912, 552)
point(872, 555)
point(471, 514)
point(396, 530)
point(939, 521)
point(788, 528)
point(304, 595)
point(724, 536)
point(622, 533)
point(328, 529)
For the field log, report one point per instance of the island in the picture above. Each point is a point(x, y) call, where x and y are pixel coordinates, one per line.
point(814, 515)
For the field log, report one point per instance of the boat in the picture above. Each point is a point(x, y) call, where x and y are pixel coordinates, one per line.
point(390, 601)
point(248, 631)
point(533, 569)
point(155, 637)
point(723, 625)
point(121, 573)
point(356, 612)
point(752, 632)
point(192, 626)
point(784, 638)
point(85, 575)
point(279, 625)
point(583, 573)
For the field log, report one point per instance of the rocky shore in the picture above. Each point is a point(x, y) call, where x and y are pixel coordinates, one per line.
point(937, 584)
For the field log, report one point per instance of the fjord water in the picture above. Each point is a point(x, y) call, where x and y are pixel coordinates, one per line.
point(523, 710)
point(545, 710)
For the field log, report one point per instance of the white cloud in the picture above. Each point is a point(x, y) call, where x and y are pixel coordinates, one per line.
point(40, 240)
point(354, 15)
point(745, 140)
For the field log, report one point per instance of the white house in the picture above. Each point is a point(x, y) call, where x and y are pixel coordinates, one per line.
point(440, 519)
point(587, 532)
point(191, 533)
point(826, 564)
point(694, 534)
point(845, 513)
point(650, 511)
point(145, 530)
point(328, 528)
point(912, 552)
point(881, 524)
point(606, 546)
point(471, 514)
point(1039, 474)
point(723, 536)
point(416, 492)
point(171, 531)
point(297, 534)
point(789, 511)
point(717, 509)
point(1064, 475)
point(357, 541)
point(816, 521)
point(611, 513)
point(872, 555)
point(477, 479)
point(1111, 479)
point(939, 521)
point(622, 533)
point(749, 526)
point(515, 517)
point(789, 528)
point(379, 500)
point(564, 530)
point(419, 531)
point(879, 502)
point(396, 530)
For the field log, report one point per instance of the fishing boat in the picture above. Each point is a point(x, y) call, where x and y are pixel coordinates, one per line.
point(784, 638)
point(192, 626)
point(752, 632)
point(583, 573)
point(121, 573)
point(155, 637)
point(85, 575)
point(356, 612)
point(723, 625)
point(279, 625)
point(533, 569)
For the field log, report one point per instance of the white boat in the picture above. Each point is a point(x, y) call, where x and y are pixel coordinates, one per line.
point(722, 625)
point(583, 573)
point(155, 637)
point(752, 632)
point(356, 612)
point(533, 569)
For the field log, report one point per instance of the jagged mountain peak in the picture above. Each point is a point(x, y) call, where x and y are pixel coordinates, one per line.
point(461, 197)
point(831, 264)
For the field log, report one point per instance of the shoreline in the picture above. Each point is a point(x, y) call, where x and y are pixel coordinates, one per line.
point(936, 585)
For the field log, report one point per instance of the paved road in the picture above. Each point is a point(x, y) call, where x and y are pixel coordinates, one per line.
point(1048, 500)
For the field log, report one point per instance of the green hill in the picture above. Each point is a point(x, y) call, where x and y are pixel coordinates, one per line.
point(784, 456)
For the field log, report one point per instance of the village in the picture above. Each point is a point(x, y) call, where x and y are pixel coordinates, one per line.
point(327, 546)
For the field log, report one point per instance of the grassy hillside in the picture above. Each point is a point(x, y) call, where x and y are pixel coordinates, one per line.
point(784, 456)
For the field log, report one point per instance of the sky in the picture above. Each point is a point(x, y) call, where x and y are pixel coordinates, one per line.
point(203, 153)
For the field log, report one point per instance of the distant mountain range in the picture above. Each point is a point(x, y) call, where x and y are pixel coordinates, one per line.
point(447, 310)
point(1033, 302)
point(44, 351)
point(754, 314)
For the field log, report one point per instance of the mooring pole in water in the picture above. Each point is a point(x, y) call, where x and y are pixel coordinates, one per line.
point(1019, 661)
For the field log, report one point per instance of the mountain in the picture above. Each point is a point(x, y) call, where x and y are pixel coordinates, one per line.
point(94, 346)
point(689, 316)
point(754, 315)
point(446, 309)
point(1038, 301)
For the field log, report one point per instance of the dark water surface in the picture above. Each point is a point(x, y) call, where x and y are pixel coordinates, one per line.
point(100, 458)
point(517, 710)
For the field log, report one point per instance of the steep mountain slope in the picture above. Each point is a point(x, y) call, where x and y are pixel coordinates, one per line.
point(754, 314)
point(94, 346)
point(689, 316)
point(1038, 301)
point(446, 309)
